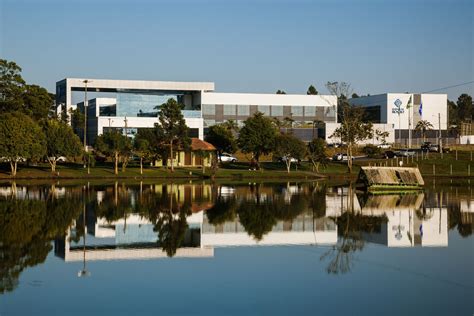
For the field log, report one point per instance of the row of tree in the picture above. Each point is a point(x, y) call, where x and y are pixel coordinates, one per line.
point(262, 135)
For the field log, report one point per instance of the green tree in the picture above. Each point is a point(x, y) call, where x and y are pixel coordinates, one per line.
point(382, 136)
point(141, 148)
point(289, 147)
point(423, 126)
point(60, 141)
point(16, 95)
point(355, 95)
point(453, 112)
point(465, 107)
point(352, 129)
point(312, 90)
point(37, 102)
point(156, 148)
point(20, 138)
point(77, 122)
point(12, 87)
point(316, 153)
point(114, 144)
point(222, 138)
point(231, 125)
point(280, 92)
point(172, 129)
point(257, 136)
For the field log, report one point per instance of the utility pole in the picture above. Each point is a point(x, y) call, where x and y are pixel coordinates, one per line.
point(439, 131)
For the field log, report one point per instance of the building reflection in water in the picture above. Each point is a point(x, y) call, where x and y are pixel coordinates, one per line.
point(253, 215)
point(138, 221)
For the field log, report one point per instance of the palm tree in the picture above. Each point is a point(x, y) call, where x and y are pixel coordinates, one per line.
point(423, 126)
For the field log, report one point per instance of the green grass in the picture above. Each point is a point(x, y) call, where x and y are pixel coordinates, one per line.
point(240, 171)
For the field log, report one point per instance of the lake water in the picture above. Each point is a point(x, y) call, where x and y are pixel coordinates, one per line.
point(234, 249)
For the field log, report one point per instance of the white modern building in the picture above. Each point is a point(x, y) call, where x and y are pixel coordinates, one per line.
point(397, 113)
point(129, 105)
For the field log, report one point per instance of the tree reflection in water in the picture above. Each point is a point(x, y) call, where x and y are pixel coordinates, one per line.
point(27, 228)
point(350, 226)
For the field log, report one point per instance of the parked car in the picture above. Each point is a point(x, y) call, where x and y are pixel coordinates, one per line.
point(340, 157)
point(429, 147)
point(6, 159)
point(58, 159)
point(384, 146)
point(389, 154)
point(227, 158)
point(405, 153)
point(335, 145)
point(292, 160)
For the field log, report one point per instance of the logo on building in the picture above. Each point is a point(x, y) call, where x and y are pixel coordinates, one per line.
point(398, 107)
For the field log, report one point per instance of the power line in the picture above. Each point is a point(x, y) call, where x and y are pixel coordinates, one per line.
point(453, 86)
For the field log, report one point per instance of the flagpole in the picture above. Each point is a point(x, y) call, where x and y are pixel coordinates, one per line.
point(409, 121)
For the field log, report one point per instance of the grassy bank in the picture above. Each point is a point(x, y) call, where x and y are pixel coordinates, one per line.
point(446, 165)
point(105, 171)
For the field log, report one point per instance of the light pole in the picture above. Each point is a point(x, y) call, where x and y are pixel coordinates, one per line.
point(85, 112)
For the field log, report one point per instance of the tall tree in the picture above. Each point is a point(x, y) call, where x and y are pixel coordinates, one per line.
point(12, 87)
point(172, 128)
point(453, 113)
point(257, 136)
point(288, 147)
point(222, 138)
point(20, 138)
point(37, 102)
point(16, 95)
point(312, 90)
point(465, 107)
point(423, 126)
point(352, 129)
point(113, 144)
point(60, 141)
point(340, 89)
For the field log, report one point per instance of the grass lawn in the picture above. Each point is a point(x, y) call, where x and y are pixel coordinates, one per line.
point(240, 170)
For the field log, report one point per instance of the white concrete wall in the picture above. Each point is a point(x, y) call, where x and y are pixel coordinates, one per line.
point(268, 99)
point(143, 122)
point(272, 238)
point(432, 105)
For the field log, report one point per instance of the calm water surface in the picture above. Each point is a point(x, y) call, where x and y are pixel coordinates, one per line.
point(201, 248)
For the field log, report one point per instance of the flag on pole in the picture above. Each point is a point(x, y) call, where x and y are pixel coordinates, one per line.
point(420, 110)
point(409, 103)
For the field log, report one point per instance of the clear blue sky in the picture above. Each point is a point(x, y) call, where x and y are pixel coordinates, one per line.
point(246, 46)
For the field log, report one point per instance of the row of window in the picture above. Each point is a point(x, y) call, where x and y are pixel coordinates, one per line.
point(273, 110)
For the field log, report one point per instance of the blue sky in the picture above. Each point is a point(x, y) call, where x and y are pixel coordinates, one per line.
point(246, 46)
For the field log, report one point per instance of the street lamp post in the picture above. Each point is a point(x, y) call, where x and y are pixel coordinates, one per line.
point(85, 112)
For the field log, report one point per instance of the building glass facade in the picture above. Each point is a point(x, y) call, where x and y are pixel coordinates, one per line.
point(140, 105)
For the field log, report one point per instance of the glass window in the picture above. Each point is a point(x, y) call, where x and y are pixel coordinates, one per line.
point(310, 111)
point(135, 104)
point(229, 109)
point(208, 109)
point(297, 110)
point(265, 109)
point(277, 110)
point(243, 110)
